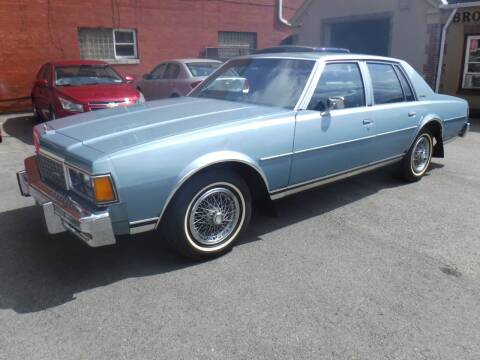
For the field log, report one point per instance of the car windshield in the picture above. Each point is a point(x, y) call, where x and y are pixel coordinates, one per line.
point(270, 82)
point(86, 75)
point(199, 69)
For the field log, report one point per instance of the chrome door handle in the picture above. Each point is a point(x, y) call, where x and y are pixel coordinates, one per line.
point(367, 122)
point(412, 114)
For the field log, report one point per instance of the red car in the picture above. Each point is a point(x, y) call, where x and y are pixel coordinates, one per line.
point(71, 87)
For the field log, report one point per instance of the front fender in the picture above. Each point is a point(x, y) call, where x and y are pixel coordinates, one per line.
point(206, 161)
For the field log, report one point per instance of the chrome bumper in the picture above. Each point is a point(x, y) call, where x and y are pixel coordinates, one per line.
point(465, 130)
point(61, 213)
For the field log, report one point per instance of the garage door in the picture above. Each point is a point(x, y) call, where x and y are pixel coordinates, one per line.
point(369, 36)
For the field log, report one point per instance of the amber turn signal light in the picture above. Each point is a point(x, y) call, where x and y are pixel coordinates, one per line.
point(103, 189)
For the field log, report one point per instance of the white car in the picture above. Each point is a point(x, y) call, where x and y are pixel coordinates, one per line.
point(175, 78)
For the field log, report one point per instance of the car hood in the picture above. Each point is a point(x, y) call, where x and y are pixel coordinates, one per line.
point(113, 130)
point(100, 92)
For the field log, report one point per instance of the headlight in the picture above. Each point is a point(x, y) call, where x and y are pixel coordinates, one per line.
point(141, 99)
point(70, 105)
point(99, 189)
point(81, 183)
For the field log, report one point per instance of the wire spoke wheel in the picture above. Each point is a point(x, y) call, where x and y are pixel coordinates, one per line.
point(421, 155)
point(214, 216)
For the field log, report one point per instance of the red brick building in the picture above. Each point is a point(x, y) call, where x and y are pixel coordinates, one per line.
point(135, 35)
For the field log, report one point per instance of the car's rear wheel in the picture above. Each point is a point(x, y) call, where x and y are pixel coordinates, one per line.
point(418, 159)
point(208, 215)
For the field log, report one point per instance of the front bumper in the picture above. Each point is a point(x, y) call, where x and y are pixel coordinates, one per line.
point(63, 214)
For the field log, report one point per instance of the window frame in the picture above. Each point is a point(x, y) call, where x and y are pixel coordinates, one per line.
point(178, 71)
point(466, 62)
point(362, 77)
point(165, 65)
point(392, 64)
point(399, 68)
point(115, 43)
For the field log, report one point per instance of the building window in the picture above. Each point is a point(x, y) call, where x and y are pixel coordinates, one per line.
point(471, 72)
point(113, 45)
point(234, 43)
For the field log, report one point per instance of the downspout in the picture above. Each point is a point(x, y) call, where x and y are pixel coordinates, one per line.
point(442, 49)
point(280, 15)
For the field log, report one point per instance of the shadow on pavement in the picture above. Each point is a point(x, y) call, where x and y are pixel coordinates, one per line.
point(20, 127)
point(38, 271)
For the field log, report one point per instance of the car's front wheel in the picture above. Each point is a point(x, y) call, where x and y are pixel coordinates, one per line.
point(208, 215)
point(418, 159)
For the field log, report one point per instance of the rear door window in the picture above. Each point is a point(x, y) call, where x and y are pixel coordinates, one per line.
point(172, 71)
point(159, 71)
point(407, 89)
point(386, 85)
point(339, 80)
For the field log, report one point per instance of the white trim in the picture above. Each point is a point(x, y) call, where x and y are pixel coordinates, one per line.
point(442, 49)
point(115, 43)
point(459, 5)
point(467, 62)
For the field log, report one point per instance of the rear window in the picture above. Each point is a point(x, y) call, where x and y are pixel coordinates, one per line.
point(86, 75)
point(386, 85)
point(202, 69)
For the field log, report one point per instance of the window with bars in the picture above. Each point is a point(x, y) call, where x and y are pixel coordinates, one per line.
point(233, 43)
point(107, 44)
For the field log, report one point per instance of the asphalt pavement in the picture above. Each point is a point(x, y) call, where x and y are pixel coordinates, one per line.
point(367, 268)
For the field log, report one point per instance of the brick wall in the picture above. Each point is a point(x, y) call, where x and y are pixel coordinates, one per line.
point(37, 31)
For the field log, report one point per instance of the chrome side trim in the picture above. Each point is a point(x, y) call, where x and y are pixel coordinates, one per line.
point(275, 157)
point(456, 119)
point(140, 226)
point(195, 171)
point(311, 184)
point(332, 145)
point(397, 131)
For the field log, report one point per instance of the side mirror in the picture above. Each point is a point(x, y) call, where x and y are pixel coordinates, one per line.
point(147, 76)
point(334, 103)
point(129, 79)
point(42, 83)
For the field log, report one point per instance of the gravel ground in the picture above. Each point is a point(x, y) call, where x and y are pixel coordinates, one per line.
point(368, 268)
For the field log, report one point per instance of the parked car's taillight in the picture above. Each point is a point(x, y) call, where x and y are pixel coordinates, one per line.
point(36, 140)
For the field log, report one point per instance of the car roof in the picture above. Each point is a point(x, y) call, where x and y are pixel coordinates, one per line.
point(78, 63)
point(185, 61)
point(319, 56)
point(302, 49)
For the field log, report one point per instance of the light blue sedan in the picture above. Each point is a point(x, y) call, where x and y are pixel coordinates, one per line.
point(260, 128)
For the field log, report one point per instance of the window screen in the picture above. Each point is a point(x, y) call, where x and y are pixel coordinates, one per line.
point(107, 44)
point(386, 86)
point(233, 43)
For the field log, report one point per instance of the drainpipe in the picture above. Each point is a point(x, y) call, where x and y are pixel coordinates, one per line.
point(442, 48)
point(280, 15)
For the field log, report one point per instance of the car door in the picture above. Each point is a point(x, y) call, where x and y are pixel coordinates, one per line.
point(169, 80)
point(149, 85)
point(396, 111)
point(331, 142)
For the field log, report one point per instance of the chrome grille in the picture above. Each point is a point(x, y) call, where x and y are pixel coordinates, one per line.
point(100, 105)
point(51, 172)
